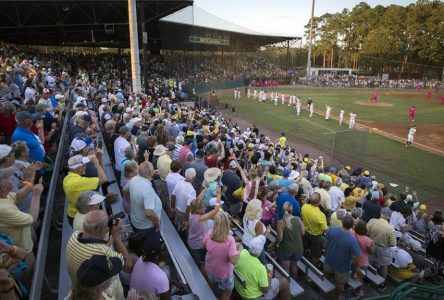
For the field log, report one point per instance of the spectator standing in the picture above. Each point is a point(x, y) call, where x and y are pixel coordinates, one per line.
point(289, 196)
point(315, 224)
point(74, 183)
point(181, 197)
point(337, 197)
point(147, 273)
point(146, 206)
point(83, 245)
point(86, 202)
point(120, 145)
point(198, 225)
point(222, 254)
point(23, 133)
point(342, 249)
point(232, 182)
point(199, 165)
point(380, 231)
point(174, 177)
point(290, 230)
point(371, 208)
point(259, 282)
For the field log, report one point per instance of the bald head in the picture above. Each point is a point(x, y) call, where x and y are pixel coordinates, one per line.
point(95, 221)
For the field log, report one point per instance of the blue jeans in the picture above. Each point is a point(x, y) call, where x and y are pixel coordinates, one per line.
point(225, 285)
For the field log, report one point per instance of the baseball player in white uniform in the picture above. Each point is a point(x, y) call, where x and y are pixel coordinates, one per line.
point(410, 136)
point(341, 116)
point(254, 94)
point(248, 93)
point(283, 99)
point(352, 120)
point(298, 106)
point(327, 111)
point(311, 109)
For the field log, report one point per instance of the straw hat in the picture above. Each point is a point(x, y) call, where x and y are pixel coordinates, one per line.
point(212, 174)
point(159, 150)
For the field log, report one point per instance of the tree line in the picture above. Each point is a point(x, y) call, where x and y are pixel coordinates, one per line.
point(404, 40)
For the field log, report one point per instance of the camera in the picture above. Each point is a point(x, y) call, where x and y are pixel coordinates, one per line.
point(114, 219)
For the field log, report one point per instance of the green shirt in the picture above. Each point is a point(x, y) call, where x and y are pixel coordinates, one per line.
point(254, 273)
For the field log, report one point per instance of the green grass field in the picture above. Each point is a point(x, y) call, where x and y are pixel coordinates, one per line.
point(388, 159)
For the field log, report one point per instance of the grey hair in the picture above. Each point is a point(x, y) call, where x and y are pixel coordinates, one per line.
point(338, 182)
point(97, 224)
point(190, 174)
point(347, 222)
point(189, 156)
point(129, 153)
point(293, 189)
point(146, 169)
point(83, 201)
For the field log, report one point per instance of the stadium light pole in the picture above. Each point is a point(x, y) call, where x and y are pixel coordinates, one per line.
point(134, 46)
point(310, 35)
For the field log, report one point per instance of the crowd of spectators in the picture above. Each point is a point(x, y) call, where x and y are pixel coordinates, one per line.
point(202, 170)
point(350, 81)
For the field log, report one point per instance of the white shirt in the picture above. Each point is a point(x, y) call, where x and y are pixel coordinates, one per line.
point(336, 197)
point(400, 257)
point(397, 220)
point(184, 193)
point(412, 131)
point(171, 180)
point(29, 94)
point(120, 144)
point(352, 116)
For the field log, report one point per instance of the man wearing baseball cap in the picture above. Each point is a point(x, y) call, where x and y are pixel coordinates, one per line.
point(23, 132)
point(74, 183)
point(84, 147)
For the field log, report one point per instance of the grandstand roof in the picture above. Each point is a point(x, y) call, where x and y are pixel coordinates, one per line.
point(77, 22)
point(209, 32)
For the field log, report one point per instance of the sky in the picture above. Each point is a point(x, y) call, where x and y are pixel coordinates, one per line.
point(280, 17)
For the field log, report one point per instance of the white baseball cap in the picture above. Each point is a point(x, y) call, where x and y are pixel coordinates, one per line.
point(77, 161)
point(4, 150)
point(96, 199)
point(78, 144)
point(213, 202)
point(59, 96)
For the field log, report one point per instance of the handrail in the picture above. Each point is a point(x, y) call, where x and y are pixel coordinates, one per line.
point(40, 262)
point(407, 289)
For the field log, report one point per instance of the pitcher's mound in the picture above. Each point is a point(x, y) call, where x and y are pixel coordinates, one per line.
point(374, 104)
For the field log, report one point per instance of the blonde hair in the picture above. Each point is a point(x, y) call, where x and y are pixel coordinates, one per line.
point(254, 210)
point(221, 228)
point(7, 108)
point(196, 205)
point(288, 210)
point(110, 125)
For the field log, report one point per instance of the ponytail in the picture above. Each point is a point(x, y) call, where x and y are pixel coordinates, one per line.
point(288, 209)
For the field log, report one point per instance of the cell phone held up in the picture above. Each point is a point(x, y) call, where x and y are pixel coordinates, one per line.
point(114, 219)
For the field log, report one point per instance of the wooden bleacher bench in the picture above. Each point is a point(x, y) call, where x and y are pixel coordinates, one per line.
point(374, 277)
point(295, 288)
point(353, 283)
point(315, 275)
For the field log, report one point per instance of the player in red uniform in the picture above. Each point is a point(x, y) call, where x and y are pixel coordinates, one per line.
point(412, 112)
point(374, 97)
point(429, 95)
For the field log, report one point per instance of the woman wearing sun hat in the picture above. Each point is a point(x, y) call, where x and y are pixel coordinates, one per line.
point(211, 177)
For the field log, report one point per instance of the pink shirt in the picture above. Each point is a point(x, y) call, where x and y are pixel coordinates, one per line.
point(148, 276)
point(217, 261)
point(364, 243)
point(267, 214)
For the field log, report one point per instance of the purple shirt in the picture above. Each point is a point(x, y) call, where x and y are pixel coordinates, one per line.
point(197, 231)
point(148, 276)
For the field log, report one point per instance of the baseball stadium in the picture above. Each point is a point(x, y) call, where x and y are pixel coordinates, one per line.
point(183, 149)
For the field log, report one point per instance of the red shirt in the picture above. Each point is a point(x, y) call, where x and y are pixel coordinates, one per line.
point(211, 161)
point(7, 125)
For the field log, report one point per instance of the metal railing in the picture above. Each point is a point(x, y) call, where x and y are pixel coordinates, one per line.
point(39, 270)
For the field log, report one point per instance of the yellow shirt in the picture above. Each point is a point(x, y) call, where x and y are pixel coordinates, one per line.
point(282, 141)
point(350, 202)
point(343, 186)
point(74, 185)
point(315, 222)
point(15, 223)
point(77, 252)
point(163, 166)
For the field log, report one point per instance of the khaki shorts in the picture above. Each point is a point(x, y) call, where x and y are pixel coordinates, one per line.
point(382, 256)
point(341, 278)
point(272, 293)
